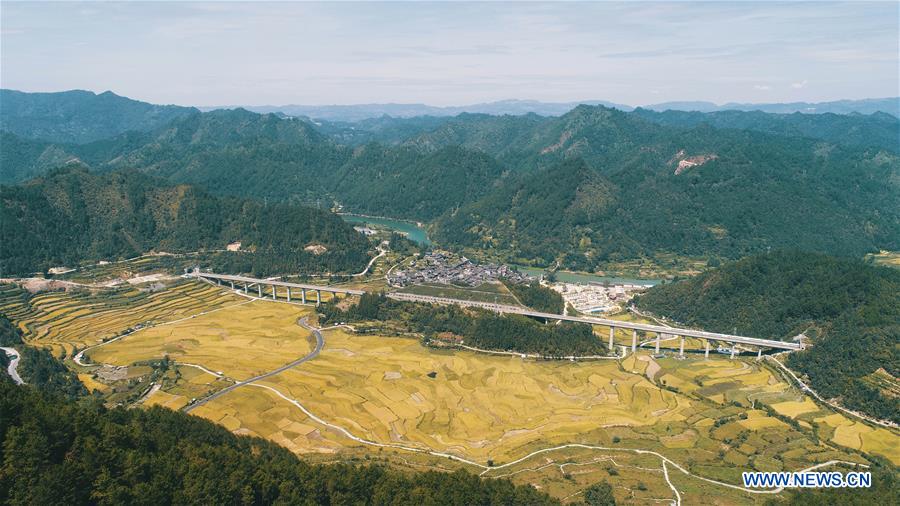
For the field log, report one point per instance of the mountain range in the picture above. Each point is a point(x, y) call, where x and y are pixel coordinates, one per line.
point(593, 185)
point(359, 112)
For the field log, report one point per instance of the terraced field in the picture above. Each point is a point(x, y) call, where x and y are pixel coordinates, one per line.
point(245, 340)
point(79, 318)
point(377, 397)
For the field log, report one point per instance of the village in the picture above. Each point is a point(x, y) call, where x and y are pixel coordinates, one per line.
point(595, 297)
point(446, 268)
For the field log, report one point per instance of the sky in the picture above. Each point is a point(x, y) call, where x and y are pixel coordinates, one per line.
point(453, 53)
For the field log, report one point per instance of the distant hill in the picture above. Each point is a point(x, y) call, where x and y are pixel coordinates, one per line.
point(73, 215)
point(79, 116)
point(878, 129)
point(850, 310)
point(359, 112)
point(890, 105)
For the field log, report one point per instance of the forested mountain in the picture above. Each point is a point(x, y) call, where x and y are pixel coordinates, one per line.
point(237, 152)
point(879, 129)
point(385, 129)
point(73, 215)
point(850, 310)
point(58, 452)
point(407, 183)
point(80, 116)
point(686, 187)
point(697, 192)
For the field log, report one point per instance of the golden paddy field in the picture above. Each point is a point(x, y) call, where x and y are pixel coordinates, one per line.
point(707, 415)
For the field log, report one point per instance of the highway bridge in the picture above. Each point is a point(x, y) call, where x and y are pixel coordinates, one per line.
point(660, 331)
point(273, 285)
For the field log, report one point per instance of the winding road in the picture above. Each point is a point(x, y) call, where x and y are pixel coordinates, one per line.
point(13, 365)
point(320, 343)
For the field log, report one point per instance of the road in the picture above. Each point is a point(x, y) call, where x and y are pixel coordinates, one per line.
point(320, 343)
point(381, 253)
point(257, 281)
point(13, 365)
point(643, 327)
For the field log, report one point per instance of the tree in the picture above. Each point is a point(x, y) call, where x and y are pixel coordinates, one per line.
point(599, 494)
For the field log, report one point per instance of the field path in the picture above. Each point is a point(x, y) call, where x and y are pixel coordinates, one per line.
point(485, 469)
point(320, 343)
point(13, 365)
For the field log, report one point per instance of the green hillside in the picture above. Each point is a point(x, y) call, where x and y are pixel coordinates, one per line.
point(80, 116)
point(878, 130)
point(592, 186)
point(74, 215)
point(748, 192)
point(851, 311)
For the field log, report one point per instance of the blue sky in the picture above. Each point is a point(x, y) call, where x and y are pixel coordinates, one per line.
point(224, 53)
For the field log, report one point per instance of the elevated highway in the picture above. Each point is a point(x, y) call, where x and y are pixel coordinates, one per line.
point(660, 331)
point(248, 282)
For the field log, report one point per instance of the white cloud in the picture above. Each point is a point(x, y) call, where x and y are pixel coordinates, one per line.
point(762, 87)
point(800, 85)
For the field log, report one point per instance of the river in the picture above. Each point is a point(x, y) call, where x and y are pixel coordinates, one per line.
point(410, 229)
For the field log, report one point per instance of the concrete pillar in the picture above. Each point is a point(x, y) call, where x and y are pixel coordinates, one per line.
point(681, 348)
point(218, 281)
point(303, 295)
point(259, 288)
point(289, 294)
point(318, 297)
point(633, 341)
point(733, 349)
point(759, 354)
point(245, 287)
point(707, 349)
point(232, 285)
point(658, 339)
point(612, 331)
point(274, 291)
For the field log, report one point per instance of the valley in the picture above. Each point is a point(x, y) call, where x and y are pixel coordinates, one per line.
point(657, 301)
point(658, 426)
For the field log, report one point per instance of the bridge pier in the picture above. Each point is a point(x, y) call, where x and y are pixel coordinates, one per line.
point(633, 341)
point(245, 287)
point(706, 355)
point(733, 349)
point(303, 296)
point(259, 289)
point(232, 285)
point(274, 292)
point(658, 339)
point(289, 294)
point(759, 354)
point(318, 297)
point(612, 331)
point(681, 348)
